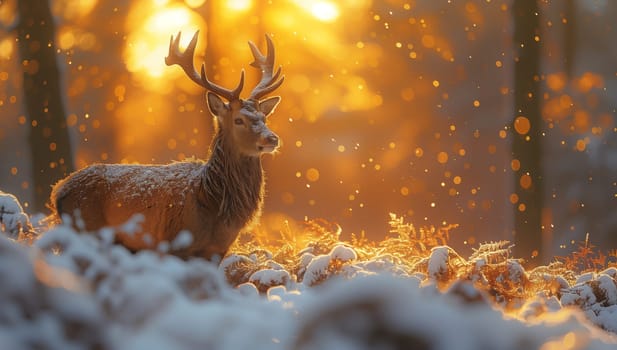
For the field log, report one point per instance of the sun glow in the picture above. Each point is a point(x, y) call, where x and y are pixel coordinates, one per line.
point(146, 49)
point(6, 48)
point(73, 9)
point(325, 11)
point(238, 5)
point(194, 3)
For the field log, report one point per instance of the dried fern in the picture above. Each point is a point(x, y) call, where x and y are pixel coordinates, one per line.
point(492, 252)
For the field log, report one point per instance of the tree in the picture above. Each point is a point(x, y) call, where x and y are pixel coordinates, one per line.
point(49, 140)
point(569, 40)
point(526, 129)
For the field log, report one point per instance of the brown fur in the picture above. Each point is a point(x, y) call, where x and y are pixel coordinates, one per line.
point(214, 200)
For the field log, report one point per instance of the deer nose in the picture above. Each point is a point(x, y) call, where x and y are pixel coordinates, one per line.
point(273, 140)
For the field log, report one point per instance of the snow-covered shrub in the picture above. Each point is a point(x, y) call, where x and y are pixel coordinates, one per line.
point(386, 312)
point(493, 269)
point(467, 293)
point(384, 263)
point(338, 262)
point(130, 288)
point(14, 222)
point(237, 268)
point(538, 305)
point(597, 297)
point(442, 265)
point(267, 278)
point(46, 307)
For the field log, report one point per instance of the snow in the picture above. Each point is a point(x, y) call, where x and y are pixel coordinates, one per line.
point(607, 284)
point(183, 240)
point(146, 179)
point(438, 262)
point(77, 291)
point(343, 253)
point(13, 220)
point(316, 269)
point(264, 279)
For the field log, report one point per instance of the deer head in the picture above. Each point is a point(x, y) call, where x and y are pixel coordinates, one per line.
point(243, 121)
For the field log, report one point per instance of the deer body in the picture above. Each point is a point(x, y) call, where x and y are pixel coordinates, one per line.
point(213, 200)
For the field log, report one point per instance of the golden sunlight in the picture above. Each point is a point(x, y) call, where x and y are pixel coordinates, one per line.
point(6, 48)
point(73, 9)
point(147, 45)
point(194, 3)
point(325, 11)
point(238, 5)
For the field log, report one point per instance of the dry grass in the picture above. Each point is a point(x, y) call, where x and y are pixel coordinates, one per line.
point(410, 251)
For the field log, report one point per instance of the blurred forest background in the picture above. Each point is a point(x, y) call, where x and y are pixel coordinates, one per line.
point(402, 106)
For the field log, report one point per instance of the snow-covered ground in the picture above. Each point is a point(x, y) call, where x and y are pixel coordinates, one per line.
point(71, 291)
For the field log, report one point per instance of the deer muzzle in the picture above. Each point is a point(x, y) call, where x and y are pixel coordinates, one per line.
point(268, 143)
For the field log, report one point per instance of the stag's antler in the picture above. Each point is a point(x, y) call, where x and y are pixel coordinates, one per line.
point(185, 60)
point(268, 82)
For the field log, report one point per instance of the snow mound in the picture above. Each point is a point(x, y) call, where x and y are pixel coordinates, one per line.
point(40, 307)
point(597, 297)
point(385, 312)
point(13, 221)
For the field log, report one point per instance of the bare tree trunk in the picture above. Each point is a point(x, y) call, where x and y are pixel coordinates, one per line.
point(569, 38)
point(49, 140)
point(526, 145)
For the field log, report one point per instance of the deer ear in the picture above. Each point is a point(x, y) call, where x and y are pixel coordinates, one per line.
point(216, 105)
point(268, 105)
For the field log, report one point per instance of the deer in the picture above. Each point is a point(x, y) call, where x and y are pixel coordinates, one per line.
point(213, 199)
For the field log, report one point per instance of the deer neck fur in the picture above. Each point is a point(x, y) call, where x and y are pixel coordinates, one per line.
point(232, 182)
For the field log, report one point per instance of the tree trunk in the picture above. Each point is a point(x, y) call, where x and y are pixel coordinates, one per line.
point(526, 144)
point(49, 139)
point(569, 45)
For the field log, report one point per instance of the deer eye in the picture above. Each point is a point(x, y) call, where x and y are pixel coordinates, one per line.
point(238, 121)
